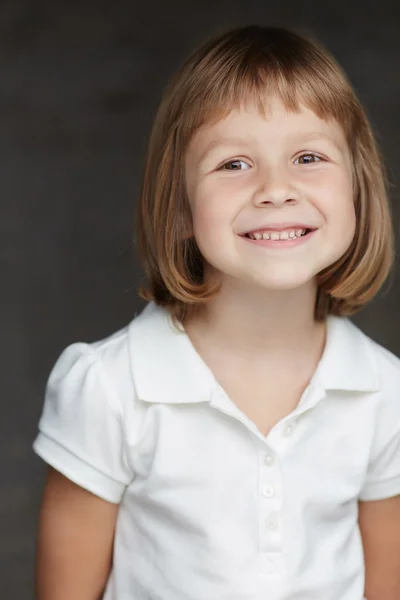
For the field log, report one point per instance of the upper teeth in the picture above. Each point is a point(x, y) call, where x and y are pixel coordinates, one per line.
point(277, 235)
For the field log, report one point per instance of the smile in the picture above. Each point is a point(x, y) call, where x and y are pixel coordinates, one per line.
point(286, 238)
point(277, 235)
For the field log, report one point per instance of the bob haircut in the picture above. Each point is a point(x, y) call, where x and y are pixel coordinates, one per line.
point(256, 63)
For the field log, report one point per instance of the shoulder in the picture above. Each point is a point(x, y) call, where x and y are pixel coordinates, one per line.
point(383, 366)
point(128, 363)
point(117, 361)
point(112, 353)
point(387, 364)
point(354, 362)
point(95, 369)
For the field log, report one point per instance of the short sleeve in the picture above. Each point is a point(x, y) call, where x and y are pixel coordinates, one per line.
point(383, 475)
point(81, 432)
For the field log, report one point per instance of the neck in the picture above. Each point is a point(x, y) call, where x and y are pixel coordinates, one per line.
point(259, 323)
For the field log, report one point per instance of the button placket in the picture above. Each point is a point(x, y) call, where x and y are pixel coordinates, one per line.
point(270, 504)
point(271, 522)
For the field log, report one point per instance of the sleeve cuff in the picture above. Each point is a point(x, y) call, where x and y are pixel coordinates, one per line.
point(77, 470)
point(380, 490)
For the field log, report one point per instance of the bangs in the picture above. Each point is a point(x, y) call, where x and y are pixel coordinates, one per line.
point(235, 74)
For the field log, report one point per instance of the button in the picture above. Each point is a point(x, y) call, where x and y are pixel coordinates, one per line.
point(268, 460)
point(268, 491)
point(271, 523)
point(289, 429)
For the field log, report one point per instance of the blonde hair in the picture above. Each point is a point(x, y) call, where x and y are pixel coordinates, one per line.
point(256, 63)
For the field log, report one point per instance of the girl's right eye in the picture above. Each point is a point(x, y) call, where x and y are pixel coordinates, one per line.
point(234, 165)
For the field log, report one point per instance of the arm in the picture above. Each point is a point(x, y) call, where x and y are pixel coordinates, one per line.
point(75, 541)
point(379, 522)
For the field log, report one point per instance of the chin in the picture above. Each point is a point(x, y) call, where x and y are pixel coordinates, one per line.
point(280, 281)
point(276, 279)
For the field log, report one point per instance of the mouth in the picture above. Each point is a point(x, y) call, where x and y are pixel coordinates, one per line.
point(288, 234)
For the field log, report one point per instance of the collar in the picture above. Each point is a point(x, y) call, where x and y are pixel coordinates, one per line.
point(166, 368)
point(165, 365)
point(348, 361)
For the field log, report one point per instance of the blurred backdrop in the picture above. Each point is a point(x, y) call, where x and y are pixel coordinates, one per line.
point(79, 85)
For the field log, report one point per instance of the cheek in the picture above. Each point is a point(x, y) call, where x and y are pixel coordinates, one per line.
point(345, 207)
point(212, 210)
point(337, 200)
point(340, 213)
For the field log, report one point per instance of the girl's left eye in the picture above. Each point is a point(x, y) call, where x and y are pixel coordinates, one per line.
point(307, 159)
point(235, 165)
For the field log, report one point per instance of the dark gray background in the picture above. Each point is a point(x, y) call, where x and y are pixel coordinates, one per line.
point(79, 84)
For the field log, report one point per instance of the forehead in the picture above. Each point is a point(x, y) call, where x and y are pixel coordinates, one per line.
point(274, 120)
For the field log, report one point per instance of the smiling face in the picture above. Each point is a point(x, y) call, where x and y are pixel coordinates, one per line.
point(271, 197)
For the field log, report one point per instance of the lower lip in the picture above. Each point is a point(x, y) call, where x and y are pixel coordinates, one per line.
point(289, 243)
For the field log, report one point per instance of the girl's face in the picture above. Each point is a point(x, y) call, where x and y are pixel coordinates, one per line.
point(271, 198)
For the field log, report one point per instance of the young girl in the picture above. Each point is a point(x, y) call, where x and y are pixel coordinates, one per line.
point(240, 438)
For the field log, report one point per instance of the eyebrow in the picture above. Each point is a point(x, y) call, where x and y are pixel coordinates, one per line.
point(223, 142)
point(314, 136)
point(308, 137)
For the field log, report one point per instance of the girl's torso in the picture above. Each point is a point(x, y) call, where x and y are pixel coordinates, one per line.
point(210, 506)
point(231, 502)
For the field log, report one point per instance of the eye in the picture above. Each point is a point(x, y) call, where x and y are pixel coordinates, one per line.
point(235, 165)
point(307, 159)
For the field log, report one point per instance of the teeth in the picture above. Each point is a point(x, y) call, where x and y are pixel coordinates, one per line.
point(276, 235)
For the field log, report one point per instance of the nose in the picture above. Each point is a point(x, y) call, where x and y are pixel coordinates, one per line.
point(276, 188)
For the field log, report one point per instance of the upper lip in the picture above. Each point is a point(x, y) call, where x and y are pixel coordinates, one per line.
point(278, 227)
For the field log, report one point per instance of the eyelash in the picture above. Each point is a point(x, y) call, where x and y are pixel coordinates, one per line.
point(236, 160)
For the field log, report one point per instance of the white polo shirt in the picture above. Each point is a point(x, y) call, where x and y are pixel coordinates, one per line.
point(210, 509)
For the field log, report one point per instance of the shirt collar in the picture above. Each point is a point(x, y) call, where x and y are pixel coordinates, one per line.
point(166, 367)
point(348, 361)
